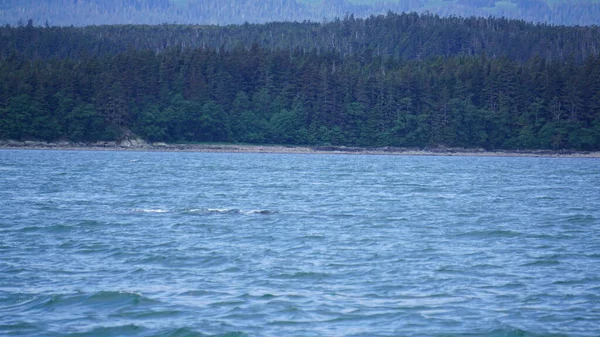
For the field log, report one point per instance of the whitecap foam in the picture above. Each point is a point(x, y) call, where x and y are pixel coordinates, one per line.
point(149, 210)
point(260, 211)
point(227, 211)
point(223, 210)
point(194, 210)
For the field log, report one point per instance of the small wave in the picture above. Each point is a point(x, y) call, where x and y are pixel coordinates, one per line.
point(545, 197)
point(197, 293)
point(303, 275)
point(486, 266)
point(314, 237)
point(542, 263)
point(149, 314)
point(268, 296)
point(582, 281)
point(116, 296)
point(60, 228)
point(17, 328)
point(194, 210)
point(224, 210)
point(511, 285)
point(509, 331)
point(90, 223)
point(449, 270)
point(286, 323)
point(149, 210)
point(31, 228)
point(11, 269)
point(260, 211)
point(581, 219)
point(491, 234)
point(120, 330)
point(106, 299)
point(187, 332)
point(228, 211)
point(547, 236)
point(180, 332)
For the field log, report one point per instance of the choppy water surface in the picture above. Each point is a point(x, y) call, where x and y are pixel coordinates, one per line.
point(199, 244)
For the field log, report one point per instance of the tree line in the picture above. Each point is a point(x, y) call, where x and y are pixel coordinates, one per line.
point(223, 12)
point(397, 36)
point(266, 94)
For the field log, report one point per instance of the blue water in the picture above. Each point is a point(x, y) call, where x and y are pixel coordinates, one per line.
point(201, 244)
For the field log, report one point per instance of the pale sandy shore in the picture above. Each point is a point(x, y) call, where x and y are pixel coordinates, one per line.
point(136, 145)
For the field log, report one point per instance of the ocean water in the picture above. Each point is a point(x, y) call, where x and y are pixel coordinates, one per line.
point(216, 244)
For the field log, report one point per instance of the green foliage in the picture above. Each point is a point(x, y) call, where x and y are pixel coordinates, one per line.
point(285, 128)
point(85, 123)
point(152, 124)
point(310, 94)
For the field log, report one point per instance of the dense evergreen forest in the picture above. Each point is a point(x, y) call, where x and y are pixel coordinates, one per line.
point(405, 36)
point(223, 12)
point(395, 80)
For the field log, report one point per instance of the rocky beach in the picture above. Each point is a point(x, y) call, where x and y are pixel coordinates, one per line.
point(141, 145)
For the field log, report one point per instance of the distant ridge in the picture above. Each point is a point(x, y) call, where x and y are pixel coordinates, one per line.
point(396, 36)
point(223, 12)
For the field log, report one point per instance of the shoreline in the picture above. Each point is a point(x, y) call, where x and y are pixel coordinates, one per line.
point(141, 146)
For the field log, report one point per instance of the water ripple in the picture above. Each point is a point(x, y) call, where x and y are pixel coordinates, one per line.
point(196, 244)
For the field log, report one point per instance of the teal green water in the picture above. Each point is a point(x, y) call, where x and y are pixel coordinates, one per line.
point(200, 244)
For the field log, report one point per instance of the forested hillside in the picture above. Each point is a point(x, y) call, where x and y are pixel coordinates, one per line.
point(399, 36)
point(223, 12)
point(395, 80)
